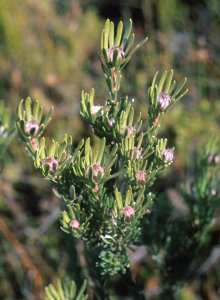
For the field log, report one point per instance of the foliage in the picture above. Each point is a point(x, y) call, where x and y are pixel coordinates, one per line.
point(179, 256)
point(65, 290)
point(128, 158)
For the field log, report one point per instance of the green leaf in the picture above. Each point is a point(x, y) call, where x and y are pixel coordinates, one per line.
point(47, 119)
point(128, 197)
point(179, 87)
point(127, 33)
point(106, 33)
point(53, 292)
point(80, 294)
point(87, 151)
point(182, 95)
point(118, 199)
point(130, 44)
point(28, 108)
point(101, 150)
point(119, 33)
point(131, 117)
point(60, 289)
point(35, 110)
point(20, 110)
point(72, 291)
point(168, 82)
point(161, 82)
point(52, 149)
point(111, 35)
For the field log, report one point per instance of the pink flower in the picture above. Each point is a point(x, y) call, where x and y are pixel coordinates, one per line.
point(164, 100)
point(95, 109)
point(75, 224)
point(97, 169)
point(168, 155)
point(136, 153)
point(31, 126)
point(110, 52)
point(52, 162)
point(127, 212)
point(141, 176)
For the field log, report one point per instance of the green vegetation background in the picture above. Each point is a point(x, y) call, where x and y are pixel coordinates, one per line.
point(48, 50)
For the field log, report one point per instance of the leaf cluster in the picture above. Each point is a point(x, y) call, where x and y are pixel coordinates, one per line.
point(105, 190)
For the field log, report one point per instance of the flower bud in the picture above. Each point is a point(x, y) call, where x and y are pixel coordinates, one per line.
point(141, 176)
point(96, 168)
point(164, 100)
point(52, 162)
point(127, 212)
point(75, 224)
point(168, 155)
point(110, 52)
point(31, 126)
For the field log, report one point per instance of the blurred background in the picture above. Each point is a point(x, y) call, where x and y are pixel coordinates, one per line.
point(48, 50)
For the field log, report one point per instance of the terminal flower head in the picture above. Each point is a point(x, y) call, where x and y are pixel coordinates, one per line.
point(31, 126)
point(164, 100)
point(52, 163)
point(127, 212)
point(97, 169)
point(168, 155)
point(110, 52)
point(75, 224)
point(141, 176)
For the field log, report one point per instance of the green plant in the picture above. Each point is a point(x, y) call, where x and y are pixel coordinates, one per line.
point(105, 190)
point(181, 248)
